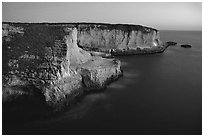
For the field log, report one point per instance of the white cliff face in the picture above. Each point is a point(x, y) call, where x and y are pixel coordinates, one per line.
point(75, 55)
point(69, 84)
point(65, 69)
point(123, 37)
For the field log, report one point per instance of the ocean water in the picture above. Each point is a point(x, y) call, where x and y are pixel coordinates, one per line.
point(158, 94)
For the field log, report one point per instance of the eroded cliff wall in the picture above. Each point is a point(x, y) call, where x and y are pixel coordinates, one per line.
point(43, 58)
point(47, 59)
point(122, 37)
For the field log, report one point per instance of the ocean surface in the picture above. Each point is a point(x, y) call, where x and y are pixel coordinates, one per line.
point(158, 94)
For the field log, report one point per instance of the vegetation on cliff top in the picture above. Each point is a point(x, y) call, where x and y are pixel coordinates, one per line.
point(85, 25)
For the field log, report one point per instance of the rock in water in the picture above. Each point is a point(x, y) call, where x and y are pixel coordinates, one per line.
point(186, 46)
point(171, 43)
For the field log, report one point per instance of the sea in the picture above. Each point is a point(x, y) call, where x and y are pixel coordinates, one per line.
point(158, 94)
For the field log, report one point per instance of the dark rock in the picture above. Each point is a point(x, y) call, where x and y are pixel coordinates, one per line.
point(15, 90)
point(186, 46)
point(171, 43)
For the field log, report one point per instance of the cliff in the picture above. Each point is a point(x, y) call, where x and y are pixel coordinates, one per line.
point(58, 62)
point(116, 39)
point(46, 62)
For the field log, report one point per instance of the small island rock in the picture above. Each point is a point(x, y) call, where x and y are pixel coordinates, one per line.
point(186, 46)
point(171, 43)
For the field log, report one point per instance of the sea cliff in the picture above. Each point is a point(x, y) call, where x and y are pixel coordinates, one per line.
point(48, 60)
point(58, 62)
point(119, 39)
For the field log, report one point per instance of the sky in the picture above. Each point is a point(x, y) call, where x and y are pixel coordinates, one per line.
point(162, 16)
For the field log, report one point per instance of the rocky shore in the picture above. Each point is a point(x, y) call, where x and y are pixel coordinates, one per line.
point(59, 62)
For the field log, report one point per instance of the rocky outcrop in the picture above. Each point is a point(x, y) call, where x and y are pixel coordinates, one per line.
point(171, 43)
point(48, 60)
point(68, 85)
point(186, 45)
point(98, 72)
point(46, 66)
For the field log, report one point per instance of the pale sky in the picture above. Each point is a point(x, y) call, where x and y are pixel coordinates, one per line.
point(162, 16)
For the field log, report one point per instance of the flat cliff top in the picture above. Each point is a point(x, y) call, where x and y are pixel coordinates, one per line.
point(84, 25)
